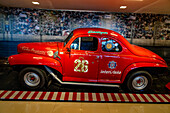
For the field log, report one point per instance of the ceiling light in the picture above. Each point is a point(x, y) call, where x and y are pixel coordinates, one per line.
point(123, 7)
point(36, 3)
point(133, 0)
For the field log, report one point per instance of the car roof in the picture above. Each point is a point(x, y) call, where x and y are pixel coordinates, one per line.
point(97, 31)
point(102, 32)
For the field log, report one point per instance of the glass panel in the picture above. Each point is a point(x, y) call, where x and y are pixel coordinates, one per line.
point(110, 45)
point(89, 43)
point(75, 44)
point(85, 43)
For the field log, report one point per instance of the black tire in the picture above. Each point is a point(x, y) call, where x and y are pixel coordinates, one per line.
point(139, 81)
point(39, 80)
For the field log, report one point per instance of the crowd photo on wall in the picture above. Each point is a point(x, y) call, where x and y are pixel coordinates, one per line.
point(25, 21)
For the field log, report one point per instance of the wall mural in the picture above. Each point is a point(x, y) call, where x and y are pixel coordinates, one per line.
point(24, 24)
point(59, 23)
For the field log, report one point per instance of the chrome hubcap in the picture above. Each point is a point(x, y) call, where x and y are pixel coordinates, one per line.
point(31, 79)
point(139, 82)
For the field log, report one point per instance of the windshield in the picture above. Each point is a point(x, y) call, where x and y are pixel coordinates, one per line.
point(68, 38)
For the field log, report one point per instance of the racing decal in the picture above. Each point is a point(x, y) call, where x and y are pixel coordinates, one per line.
point(112, 65)
point(110, 72)
point(50, 53)
point(33, 50)
point(113, 34)
point(98, 32)
point(81, 65)
point(109, 46)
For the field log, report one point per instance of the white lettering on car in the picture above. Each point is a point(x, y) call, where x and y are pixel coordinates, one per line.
point(33, 50)
point(81, 65)
point(110, 72)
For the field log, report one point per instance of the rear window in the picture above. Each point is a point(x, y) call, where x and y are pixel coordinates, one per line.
point(110, 45)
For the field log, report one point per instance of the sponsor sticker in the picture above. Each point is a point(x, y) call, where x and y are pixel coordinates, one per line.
point(33, 50)
point(112, 65)
point(113, 34)
point(50, 53)
point(98, 32)
point(109, 46)
point(110, 72)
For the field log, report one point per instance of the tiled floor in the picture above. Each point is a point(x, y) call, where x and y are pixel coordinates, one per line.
point(80, 107)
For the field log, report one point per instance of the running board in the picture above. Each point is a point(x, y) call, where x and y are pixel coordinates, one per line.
point(74, 83)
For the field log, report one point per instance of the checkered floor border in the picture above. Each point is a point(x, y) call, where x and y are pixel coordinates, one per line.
point(83, 96)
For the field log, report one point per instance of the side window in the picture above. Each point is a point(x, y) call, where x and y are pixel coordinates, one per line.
point(110, 45)
point(75, 44)
point(85, 43)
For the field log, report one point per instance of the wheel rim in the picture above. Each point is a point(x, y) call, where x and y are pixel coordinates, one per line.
point(139, 82)
point(31, 79)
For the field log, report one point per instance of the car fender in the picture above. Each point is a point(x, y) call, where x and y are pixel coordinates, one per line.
point(34, 59)
point(139, 65)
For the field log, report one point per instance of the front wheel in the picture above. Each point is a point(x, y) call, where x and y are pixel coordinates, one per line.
point(32, 78)
point(139, 81)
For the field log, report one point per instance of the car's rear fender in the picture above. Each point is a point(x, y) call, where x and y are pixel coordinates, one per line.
point(141, 66)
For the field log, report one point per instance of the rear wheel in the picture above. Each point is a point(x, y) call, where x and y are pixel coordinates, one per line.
point(139, 81)
point(33, 78)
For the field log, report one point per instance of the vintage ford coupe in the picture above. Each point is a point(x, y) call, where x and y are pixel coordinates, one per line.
point(88, 56)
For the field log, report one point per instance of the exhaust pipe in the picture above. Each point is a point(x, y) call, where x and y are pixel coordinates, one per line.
point(76, 83)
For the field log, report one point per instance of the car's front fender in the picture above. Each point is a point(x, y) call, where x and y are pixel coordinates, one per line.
point(32, 59)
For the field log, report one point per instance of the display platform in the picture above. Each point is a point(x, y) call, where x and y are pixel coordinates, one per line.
point(84, 96)
point(168, 85)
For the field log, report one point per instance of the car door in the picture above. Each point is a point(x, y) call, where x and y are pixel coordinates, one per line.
point(82, 62)
point(111, 61)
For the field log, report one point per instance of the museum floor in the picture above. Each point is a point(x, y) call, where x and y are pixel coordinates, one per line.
point(80, 107)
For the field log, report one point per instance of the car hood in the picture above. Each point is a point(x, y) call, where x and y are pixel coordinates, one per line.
point(41, 48)
point(140, 51)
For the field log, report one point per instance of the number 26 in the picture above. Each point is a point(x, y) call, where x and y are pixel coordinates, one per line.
point(79, 66)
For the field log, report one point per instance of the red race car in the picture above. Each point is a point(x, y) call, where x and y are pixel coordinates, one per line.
point(88, 56)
